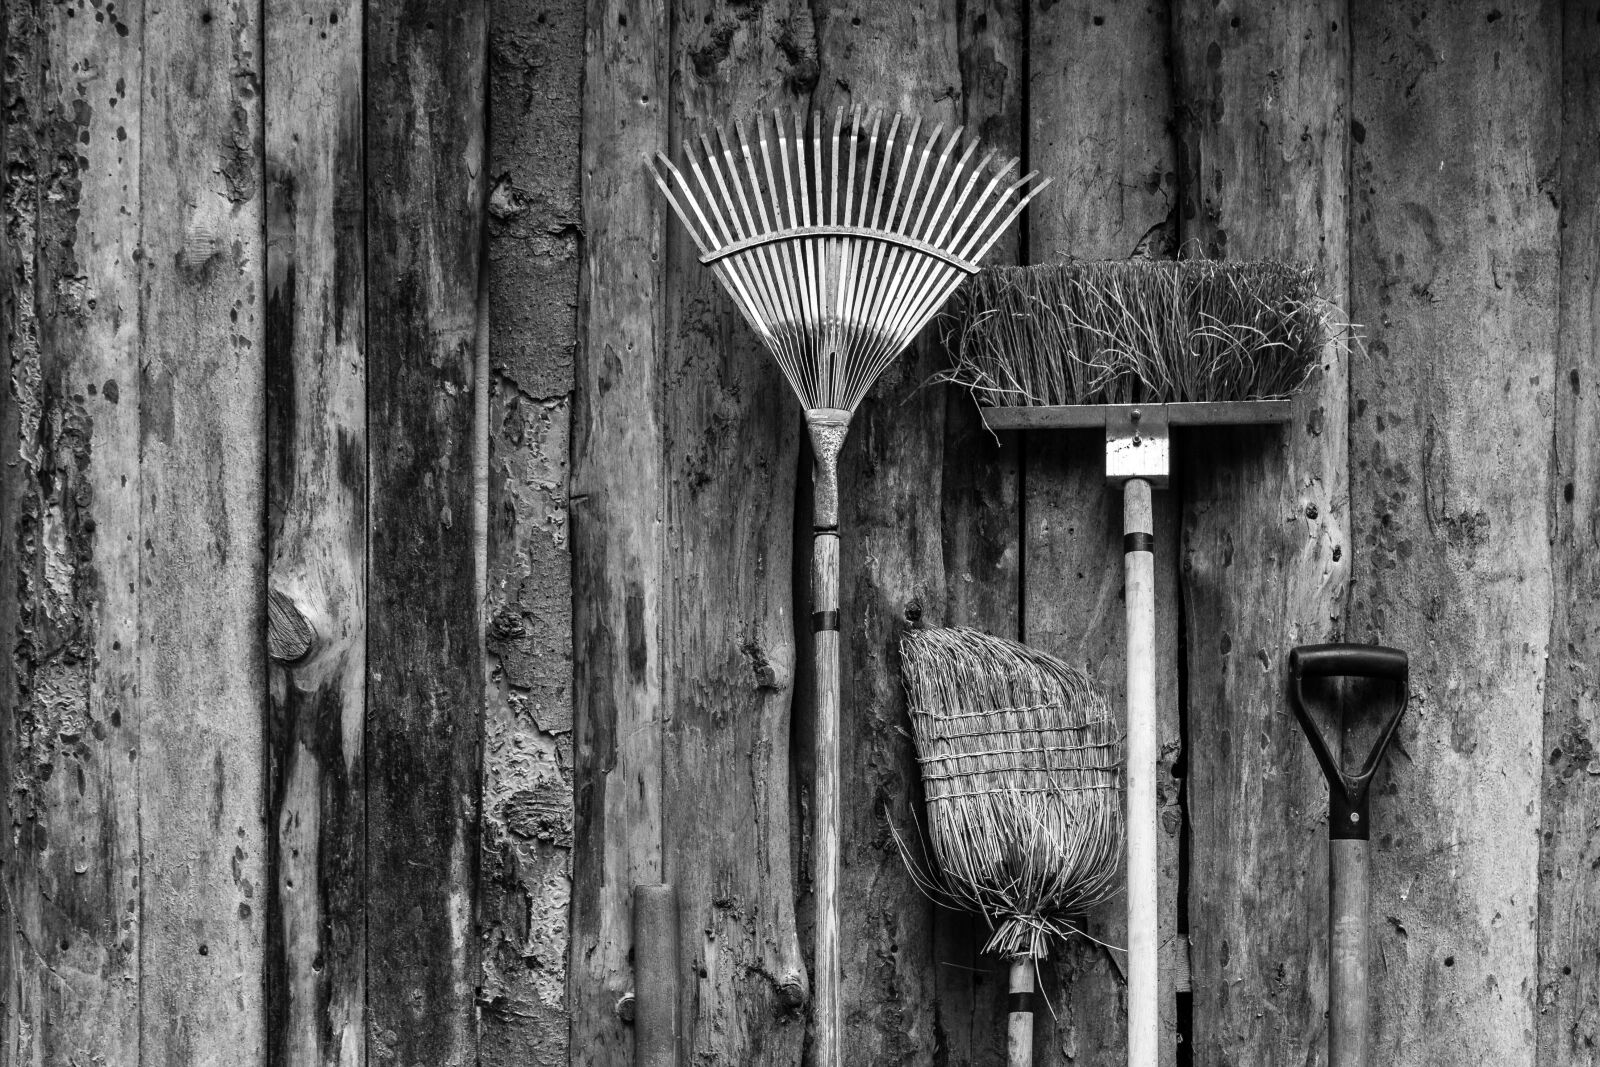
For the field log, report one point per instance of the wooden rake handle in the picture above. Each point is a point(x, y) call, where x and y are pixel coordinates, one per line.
point(828, 427)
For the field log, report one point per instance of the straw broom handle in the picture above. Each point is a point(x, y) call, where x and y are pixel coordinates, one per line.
point(828, 427)
point(1139, 563)
point(1019, 1023)
point(1349, 872)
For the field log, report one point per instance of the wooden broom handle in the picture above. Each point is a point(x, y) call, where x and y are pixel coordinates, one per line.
point(1019, 1014)
point(827, 437)
point(1143, 750)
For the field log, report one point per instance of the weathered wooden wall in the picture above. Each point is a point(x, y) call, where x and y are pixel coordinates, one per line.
point(398, 552)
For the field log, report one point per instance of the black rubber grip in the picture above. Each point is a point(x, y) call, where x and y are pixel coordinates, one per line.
point(824, 620)
point(1138, 541)
point(1349, 661)
point(1019, 1004)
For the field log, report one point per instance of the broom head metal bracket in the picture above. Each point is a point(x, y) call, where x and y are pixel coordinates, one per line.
point(1138, 443)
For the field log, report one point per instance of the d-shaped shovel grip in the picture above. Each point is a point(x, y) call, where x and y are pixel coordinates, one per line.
point(1348, 814)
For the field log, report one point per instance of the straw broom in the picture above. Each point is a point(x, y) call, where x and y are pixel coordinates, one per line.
point(1135, 348)
point(837, 251)
point(1022, 769)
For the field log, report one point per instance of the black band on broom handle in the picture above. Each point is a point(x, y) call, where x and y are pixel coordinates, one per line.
point(828, 427)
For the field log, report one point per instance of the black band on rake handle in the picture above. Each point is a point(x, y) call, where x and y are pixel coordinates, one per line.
point(1138, 542)
point(824, 620)
point(1349, 816)
point(1019, 1003)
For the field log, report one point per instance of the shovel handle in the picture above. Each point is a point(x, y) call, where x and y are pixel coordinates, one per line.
point(1349, 875)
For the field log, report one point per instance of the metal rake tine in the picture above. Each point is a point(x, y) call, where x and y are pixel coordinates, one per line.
point(949, 187)
point(916, 182)
point(994, 234)
point(833, 204)
point(683, 216)
point(933, 184)
point(966, 236)
point(850, 177)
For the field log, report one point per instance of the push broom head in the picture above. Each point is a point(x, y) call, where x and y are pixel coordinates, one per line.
point(1022, 767)
point(1138, 332)
point(839, 245)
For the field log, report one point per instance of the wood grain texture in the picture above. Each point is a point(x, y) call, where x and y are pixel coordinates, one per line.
point(732, 431)
point(424, 133)
point(982, 519)
point(69, 554)
point(1568, 1026)
point(1264, 125)
point(202, 671)
point(618, 506)
point(316, 534)
point(1455, 278)
point(903, 56)
point(1115, 193)
point(525, 891)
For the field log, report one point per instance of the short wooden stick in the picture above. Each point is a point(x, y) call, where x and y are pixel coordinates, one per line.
point(1143, 750)
point(1349, 872)
point(655, 976)
point(1019, 1025)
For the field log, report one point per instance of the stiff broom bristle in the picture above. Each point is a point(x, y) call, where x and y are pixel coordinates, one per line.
point(1022, 767)
point(839, 249)
point(1138, 332)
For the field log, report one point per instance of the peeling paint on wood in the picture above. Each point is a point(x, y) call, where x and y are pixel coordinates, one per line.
point(1263, 134)
point(525, 895)
point(1456, 250)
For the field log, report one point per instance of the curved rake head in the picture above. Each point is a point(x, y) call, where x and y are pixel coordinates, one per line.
point(838, 248)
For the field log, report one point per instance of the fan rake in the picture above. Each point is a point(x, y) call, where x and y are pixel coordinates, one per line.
point(837, 250)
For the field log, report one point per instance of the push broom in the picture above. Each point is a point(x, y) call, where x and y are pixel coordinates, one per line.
point(1022, 770)
point(837, 250)
point(1135, 348)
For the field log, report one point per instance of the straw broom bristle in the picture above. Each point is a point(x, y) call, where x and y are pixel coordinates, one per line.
point(1139, 331)
point(1022, 768)
point(838, 248)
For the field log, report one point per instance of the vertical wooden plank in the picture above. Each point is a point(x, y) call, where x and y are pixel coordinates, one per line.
point(981, 520)
point(1114, 197)
point(1569, 893)
point(1457, 146)
point(202, 677)
point(618, 505)
point(316, 534)
point(426, 68)
point(906, 56)
point(731, 427)
point(1264, 116)
point(535, 83)
point(69, 494)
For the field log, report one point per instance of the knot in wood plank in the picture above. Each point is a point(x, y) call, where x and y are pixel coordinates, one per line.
point(289, 633)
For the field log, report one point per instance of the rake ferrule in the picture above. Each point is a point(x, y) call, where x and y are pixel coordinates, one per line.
point(828, 428)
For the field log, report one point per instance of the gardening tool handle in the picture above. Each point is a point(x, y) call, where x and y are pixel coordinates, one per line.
point(1348, 814)
point(1019, 1014)
point(1349, 661)
point(1144, 1019)
point(1349, 874)
point(827, 437)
